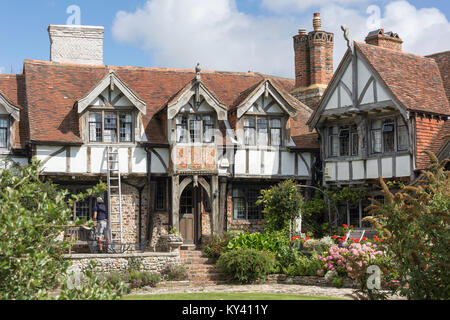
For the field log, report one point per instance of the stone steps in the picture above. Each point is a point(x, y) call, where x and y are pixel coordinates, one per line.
point(201, 270)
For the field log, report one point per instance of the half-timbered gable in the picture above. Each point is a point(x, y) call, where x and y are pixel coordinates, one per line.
point(379, 113)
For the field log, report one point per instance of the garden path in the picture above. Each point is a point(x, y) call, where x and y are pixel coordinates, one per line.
point(168, 288)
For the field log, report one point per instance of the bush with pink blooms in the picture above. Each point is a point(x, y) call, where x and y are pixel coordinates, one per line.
point(352, 261)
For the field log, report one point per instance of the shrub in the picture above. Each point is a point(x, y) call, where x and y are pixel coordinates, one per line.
point(338, 282)
point(304, 266)
point(215, 246)
point(175, 273)
point(282, 205)
point(33, 215)
point(92, 287)
point(140, 279)
point(319, 245)
point(414, 225)
point(246, 265)
point(272, 242)
point(352, 261)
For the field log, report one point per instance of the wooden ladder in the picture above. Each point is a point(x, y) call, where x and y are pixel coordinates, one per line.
point(114, 191)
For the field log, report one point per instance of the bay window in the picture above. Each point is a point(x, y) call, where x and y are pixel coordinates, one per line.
point(195, 128)
point(389, 135)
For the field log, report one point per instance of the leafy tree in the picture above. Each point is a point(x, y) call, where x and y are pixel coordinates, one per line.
point(282, 205)
point(414, 222)
point(33, 215)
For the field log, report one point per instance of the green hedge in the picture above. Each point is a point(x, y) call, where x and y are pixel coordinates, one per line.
point(246, 265)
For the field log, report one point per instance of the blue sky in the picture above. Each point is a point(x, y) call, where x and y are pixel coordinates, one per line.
point(237, 35)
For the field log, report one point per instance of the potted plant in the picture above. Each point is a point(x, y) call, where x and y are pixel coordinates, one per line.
point(174, 239)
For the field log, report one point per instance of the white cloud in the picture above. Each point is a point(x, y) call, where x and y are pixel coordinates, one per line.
point(424, 31)
point(2, 70)
point(214, 33)
point(180, 33)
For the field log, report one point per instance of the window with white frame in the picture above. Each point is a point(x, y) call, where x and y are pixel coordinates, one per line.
point(110, 126)
point(262, 131)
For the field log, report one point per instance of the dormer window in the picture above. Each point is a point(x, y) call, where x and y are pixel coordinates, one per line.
point(110, 127)
point(262, 131)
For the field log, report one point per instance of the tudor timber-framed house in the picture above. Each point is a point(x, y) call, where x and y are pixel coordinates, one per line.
point(381, 110)
point(194, 147)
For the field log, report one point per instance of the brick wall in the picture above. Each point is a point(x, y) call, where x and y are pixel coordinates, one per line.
point(427, 130)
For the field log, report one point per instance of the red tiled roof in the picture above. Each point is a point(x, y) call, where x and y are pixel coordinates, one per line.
point(413, 80)
point(12, 88)
point(53, 90)
point(307, 142)
point(443, 61)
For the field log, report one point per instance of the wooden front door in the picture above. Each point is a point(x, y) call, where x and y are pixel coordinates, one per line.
point(188, 215)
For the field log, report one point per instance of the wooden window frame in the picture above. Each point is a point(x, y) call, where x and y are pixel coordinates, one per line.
point(187, 116)
point(7, 133)
point(245, 190)
point(268, 119)
point(396, 124)
point(164, 194)
point(117, 113)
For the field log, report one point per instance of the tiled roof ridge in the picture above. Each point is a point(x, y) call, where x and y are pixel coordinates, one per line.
point(413, 55)
point(161, 69)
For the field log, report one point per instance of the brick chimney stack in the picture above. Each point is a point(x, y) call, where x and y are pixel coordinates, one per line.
point(388, 40)
point(313, 63)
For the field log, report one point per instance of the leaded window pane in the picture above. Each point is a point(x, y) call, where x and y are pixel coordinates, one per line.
point(160, 197)
point(110, 131)
point(182, 131)
point(333, 141)
point(375, 136)
point(3, 133)
point(239, 208)
point(195, 124)
point(344, 141)
point(126, 125)
point(402, 132)
point(208, 129)
point(275, 132)
point(389, 136)
point(95, 127)
point(249, 132)
point(263, 133)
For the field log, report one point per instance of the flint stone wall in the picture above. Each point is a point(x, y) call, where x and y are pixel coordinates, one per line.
point(153, 262)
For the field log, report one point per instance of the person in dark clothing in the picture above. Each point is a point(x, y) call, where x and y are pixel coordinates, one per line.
point(101, 216)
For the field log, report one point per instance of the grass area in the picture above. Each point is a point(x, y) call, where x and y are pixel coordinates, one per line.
point(227, 296)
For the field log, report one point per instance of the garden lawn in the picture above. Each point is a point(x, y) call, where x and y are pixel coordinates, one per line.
point(226, 296)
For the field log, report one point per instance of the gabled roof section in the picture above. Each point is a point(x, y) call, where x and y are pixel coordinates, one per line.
point(113, 81)
point(13, 110)
point(312, 121)
point(415, 81)
point(196, 88)
point(267, 87)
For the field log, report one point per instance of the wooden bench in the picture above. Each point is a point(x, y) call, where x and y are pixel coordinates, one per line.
point(78, 236)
